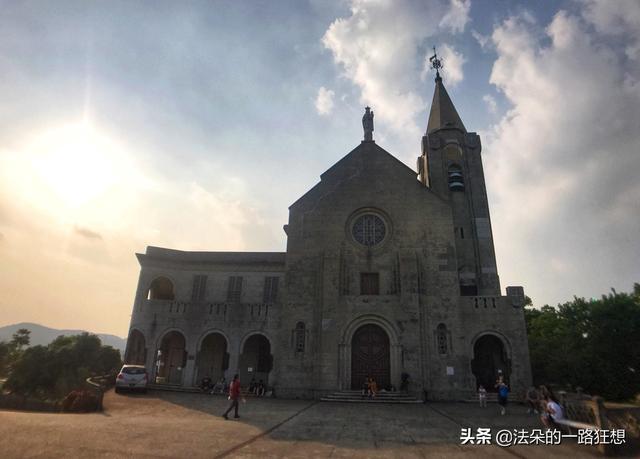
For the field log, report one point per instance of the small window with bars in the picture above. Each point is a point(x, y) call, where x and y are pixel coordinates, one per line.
point(270, 290)
point(369, 284)
point(300, 336)
point(199, 287)
point(234, 291)
point(441, 338)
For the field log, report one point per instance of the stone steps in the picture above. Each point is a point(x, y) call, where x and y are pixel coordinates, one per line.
point(492, 397)
point(355, 396)
point(173, 388)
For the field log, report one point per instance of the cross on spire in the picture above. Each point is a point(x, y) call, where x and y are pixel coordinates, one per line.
point(436, 63)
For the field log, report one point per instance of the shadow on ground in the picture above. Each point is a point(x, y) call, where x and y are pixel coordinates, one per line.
point(321, 428)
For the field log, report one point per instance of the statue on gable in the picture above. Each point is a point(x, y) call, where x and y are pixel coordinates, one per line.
point(367, 124)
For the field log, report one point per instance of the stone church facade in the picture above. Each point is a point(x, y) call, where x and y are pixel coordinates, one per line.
point(387, 271)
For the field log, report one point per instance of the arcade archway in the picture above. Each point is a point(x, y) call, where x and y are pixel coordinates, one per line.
point(171, 358)
point(213, 359)
point(136, 349)
point(256, 360)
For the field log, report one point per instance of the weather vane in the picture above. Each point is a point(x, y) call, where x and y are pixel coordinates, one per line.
point(435, 62)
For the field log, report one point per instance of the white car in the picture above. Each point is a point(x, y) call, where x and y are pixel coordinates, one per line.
point(132, 377)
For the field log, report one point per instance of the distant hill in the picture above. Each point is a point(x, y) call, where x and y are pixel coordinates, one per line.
point(44, 335)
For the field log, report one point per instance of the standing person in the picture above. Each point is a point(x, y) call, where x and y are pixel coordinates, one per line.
point(482, 396)
point(404, 383)
point(503, 395)
point(234, 395)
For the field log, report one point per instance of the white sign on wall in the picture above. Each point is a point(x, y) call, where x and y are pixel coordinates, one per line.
point(450, 371)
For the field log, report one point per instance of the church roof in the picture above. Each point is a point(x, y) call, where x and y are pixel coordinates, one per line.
point(443, 114)
point(368, 159)
point(181, 256)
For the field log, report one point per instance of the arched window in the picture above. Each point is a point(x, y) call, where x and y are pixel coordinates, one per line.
point(441, 339)
point(456, 180)
point(161, 289)
point(300, 336)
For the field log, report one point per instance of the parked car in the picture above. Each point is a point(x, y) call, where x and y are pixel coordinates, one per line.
point(132, 377)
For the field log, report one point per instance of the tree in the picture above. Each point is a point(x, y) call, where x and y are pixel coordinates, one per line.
point(594, 344)
point(53, 371)
point(21, 338)
point(5, 351)
point(10, 352)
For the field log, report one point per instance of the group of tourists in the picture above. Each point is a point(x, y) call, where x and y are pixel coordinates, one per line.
point(220, 387)
point(539, 401)
point(257, 388)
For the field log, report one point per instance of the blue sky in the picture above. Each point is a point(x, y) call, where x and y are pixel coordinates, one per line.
point(194, 125)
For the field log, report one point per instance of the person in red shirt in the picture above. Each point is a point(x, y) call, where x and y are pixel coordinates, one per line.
point(234, 396)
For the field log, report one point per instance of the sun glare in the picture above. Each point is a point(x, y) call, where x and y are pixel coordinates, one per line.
point(74, 162)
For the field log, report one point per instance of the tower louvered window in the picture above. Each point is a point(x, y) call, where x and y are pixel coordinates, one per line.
point(456, 180)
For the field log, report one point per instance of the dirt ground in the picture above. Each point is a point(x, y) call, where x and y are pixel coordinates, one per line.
point(183, 425)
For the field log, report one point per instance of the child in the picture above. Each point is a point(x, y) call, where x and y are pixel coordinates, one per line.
point(503, 395)
point(482, 396)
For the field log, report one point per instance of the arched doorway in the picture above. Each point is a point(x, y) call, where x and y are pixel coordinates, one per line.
point(489, 361)
point(256, 359)
point(370, 356)
point(213, 358)
point(171, 358)
point(136, 349)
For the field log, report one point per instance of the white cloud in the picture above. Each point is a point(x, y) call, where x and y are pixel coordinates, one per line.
point(457, 16)
point(379, 47)
point(483, 40)
point(620, 18)
point(491, 103)
point(562, 163)
point(452, 64)
point(324, 101)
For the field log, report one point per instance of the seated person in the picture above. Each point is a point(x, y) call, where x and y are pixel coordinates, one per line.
point(365, 387)
point(252, 386)
point(260, 388)
point(205, 384)
point(373, 388)
point(552, 412)
point(219, 386)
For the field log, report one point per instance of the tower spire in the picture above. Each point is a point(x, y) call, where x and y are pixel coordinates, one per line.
point(443, 113)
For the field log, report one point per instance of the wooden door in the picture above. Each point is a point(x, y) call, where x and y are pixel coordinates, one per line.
point(370, 356)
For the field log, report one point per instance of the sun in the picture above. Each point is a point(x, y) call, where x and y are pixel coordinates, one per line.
point(74, 162)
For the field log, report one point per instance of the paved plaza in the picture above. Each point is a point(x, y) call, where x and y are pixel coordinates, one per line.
point(176, 425)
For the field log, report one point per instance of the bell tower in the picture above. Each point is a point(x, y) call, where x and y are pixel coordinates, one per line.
point(451, 166)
